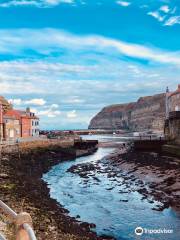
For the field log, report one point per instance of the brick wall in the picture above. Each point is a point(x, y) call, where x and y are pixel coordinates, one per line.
point(26, 127)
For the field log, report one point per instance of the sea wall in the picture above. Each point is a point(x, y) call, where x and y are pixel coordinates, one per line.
point(172, 127)
point(148, 113)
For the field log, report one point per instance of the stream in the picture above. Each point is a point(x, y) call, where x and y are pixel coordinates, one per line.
point(105, 202)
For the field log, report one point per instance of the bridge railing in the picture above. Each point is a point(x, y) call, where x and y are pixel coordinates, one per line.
point(22, 222)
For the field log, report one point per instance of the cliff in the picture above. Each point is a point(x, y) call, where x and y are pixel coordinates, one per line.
point(147, 113)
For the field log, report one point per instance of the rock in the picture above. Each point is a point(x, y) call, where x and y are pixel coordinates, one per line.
point(147, 113)
point(4, 176)
point(123, 200)
point(92, 225)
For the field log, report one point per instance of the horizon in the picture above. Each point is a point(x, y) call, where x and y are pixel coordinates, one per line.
point(69, 59)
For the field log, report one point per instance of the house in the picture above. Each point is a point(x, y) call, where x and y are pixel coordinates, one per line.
point(172, 122)
point(31, 121)
point(26, 121)
point(174, 100)
point(15, 124)
point(12, 128)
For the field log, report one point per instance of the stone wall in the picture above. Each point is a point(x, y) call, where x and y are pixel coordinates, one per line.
point(172, 128)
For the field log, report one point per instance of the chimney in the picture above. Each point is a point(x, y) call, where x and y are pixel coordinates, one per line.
point(28, 110)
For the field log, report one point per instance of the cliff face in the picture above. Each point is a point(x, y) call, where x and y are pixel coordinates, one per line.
point(147, 113)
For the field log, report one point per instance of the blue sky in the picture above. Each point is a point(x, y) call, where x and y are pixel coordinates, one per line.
point(69, 58)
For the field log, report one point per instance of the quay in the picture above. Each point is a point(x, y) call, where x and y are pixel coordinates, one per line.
point(148, 144)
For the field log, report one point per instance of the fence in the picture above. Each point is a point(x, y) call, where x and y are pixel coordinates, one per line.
point(22, 222)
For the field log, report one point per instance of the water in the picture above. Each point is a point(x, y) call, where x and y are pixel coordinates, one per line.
point(91, 200)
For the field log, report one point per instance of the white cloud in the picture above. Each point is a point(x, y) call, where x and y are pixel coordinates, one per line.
point(34, 101)
point(19, 3)
point(35, 3)
point(135, 69)
point(54, 106)
point(172, 20)
point(74, 100)
point(18, 42)
point(123, 3)
point(49, 112)
point(157, 15)
point(72, 114)
point(18, 88)
point(165, 15)
point(164, 8)
point(17, 101)
point(44, 67)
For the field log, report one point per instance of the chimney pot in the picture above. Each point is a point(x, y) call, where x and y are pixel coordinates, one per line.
point(28, 110)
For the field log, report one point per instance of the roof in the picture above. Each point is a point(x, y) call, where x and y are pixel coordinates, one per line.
point(176, 92)
point(18, 114)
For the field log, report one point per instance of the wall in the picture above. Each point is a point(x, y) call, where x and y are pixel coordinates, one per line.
point(172, 128)
point(25, 127)
point(13, 130)
point(34, 127)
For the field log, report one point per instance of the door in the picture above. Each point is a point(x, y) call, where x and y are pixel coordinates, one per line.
point(11, 133)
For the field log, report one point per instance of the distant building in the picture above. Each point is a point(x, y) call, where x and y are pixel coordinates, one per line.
point(174, 100)
point(172, 122)
point(16, 124)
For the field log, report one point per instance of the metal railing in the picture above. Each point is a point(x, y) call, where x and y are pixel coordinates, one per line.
point(22, 221)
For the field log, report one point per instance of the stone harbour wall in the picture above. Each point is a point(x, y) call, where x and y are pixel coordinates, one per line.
point(172, 130)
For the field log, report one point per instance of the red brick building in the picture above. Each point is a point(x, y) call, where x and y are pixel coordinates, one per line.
point(16, 124)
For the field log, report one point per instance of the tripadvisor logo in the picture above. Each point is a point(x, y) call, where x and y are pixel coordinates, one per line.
point(139, 231)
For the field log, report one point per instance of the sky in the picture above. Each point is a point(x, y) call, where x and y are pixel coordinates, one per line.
point(67, 59)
